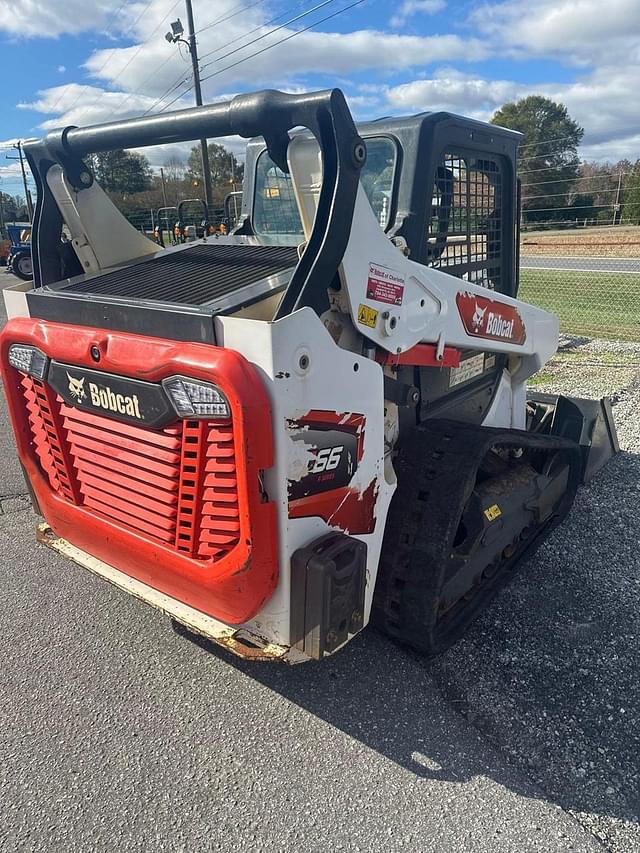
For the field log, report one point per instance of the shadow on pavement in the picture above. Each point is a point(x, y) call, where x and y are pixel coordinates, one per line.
point(547, 676)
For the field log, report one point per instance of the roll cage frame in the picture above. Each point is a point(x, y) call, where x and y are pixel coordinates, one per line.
point(270, 114)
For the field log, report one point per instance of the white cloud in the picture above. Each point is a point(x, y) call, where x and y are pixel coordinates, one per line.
point(61, 69)
point(45, 19)
point(583, 31)
point(599, 101)
point(11, 178)
point(306, 53)
point(79, 104)
point(53, 18)
point(10, 171)
point(129, 78)
point(452, 90)
point(416, 7)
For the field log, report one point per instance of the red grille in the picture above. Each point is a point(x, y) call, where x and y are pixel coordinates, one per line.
point(220, 514)
point(46, 429)
point(176, 486)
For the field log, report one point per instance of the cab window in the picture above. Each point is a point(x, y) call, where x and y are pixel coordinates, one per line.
point(275, 213)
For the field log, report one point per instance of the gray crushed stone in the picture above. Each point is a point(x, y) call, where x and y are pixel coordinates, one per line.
point(549, 674)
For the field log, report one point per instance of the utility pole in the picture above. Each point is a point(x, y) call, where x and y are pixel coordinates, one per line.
point(164, 187)
point(174, 36)
point(616, 206)
point(233, 171)
point(27, 194)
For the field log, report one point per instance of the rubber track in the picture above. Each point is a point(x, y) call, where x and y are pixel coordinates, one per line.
point(436, 471)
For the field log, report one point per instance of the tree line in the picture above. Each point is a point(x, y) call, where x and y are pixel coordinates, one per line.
point(13, 208)
point(558, 189)
point(131, 183)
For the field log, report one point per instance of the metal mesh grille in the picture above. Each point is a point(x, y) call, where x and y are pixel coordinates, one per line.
point(465, 230)
point(275, 210)
point(194, 275)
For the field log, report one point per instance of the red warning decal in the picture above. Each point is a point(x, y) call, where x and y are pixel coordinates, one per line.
point(487, 318)
point(385, 285)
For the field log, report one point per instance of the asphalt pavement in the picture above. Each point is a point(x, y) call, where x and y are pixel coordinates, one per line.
point(543, 262)
point(117, 733)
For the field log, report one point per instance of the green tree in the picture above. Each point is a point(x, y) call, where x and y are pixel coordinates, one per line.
point(549, 162)
point(631, 197)
point(10, 207)
point(583, 206)
point(123, 172)
point(225, 169)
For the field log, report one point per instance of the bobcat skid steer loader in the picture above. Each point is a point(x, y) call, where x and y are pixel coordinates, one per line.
point(317, 421)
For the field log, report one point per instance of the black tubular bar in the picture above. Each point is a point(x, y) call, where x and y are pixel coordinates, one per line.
point(267, 113)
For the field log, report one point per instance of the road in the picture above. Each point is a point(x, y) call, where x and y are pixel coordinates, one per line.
point(586, 264)
point(118, 734)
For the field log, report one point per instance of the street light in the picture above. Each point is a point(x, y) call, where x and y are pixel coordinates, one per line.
point(177, 31)
point(174, 36)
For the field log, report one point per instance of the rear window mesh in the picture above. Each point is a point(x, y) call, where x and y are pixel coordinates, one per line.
point(465, 229)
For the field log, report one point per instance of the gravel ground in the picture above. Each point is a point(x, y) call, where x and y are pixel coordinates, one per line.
point(550, 673)
point(117, 734)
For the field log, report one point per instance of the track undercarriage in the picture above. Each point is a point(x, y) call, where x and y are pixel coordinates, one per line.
point(471, 504)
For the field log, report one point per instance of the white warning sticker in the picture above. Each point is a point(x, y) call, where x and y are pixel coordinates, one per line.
point(469, 368)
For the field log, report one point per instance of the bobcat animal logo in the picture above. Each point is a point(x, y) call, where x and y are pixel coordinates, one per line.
point(478, 317)
point(76, 388)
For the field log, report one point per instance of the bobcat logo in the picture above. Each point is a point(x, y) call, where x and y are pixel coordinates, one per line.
point(478, 317)
point(76, 387)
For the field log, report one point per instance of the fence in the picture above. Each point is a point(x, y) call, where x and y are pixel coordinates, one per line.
point(589, 277)
point(590, 280)
point(145, 220)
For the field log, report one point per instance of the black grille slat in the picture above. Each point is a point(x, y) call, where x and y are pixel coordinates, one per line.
point(194, 275)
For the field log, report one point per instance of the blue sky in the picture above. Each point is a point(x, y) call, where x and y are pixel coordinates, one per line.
point(85, 61)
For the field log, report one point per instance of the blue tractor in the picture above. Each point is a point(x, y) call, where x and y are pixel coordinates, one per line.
point(19, 260)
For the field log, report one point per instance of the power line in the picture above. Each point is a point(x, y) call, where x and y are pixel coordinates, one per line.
point(566, 207)
point(546, 141)
point(114, 17)
point(166, 94)
point(240, 8)
point(249, 33)
point(581, 178)
point(146, 80)
point(139, 48)
point(264, 35)
point(184, 79)
point(235, 11)
point(537, 223)
point(543, 169)
point(242, 47)
point(547, 155)
point(97, 73)
point(543, 155)
point(568, 192)
point(269, 47)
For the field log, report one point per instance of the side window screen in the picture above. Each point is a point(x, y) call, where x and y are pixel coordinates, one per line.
point(275, 212)
point(465, 229)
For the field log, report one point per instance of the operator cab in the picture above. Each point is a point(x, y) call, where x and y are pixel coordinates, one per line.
point(444, 184)
point(444, 189)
